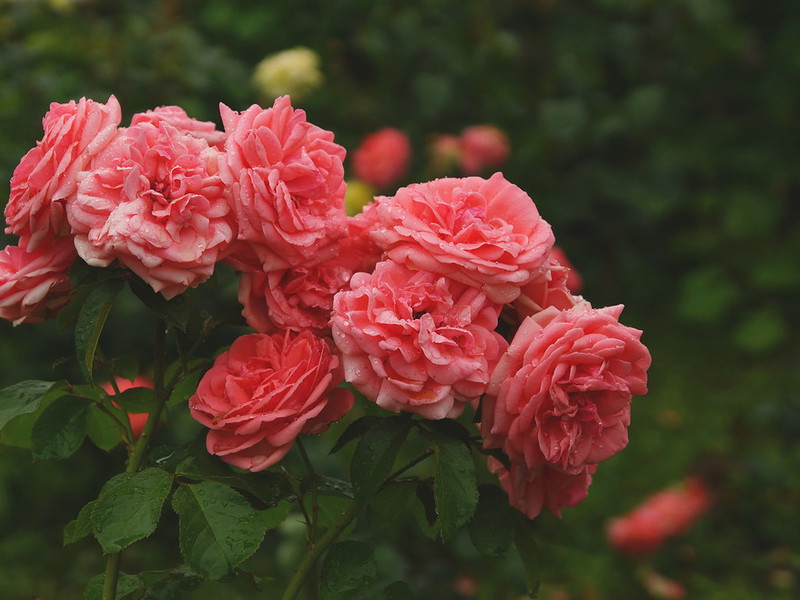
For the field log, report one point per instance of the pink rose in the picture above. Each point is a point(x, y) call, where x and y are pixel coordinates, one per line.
point(560, 396)
point(137, 420)
point(416, 341)
point(383, 157)
point(46, 178)
point(532, 489)
point(665, 515)
point(34, 284)
point(485, 233)
point(482, 147)
point(550, 287)
point(177, 117)
point(265, 391)
point(574, 280)
point(154, 200)
point(287, 184)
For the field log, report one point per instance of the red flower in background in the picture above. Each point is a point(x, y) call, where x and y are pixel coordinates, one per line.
point(665, 515)
point(482, 147)
point(137, 420)
point(383, 157)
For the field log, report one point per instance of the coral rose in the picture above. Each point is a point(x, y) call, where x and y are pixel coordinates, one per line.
point(137, 420)
point(266, 390)
point(287, 184)
point(382, 157)
point(561, 393)
point(154, 200)
point(550, 287)
point(532, 489)
point(34, 284)
point(177, 117)
point(416, 341)
point(482, 147)
point(47, 176)
point(574, 281)
point(485, 233)
point(665, 515)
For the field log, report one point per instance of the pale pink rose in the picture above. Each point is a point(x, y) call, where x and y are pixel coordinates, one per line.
point(483, 232)
point(154, 200)
point(530, 489)
point(560, 396)
point(137, 420)
point(662, 516)
point(416, 341)
point(382, 157)
point(34, 284)
point(47, 177)
point(177, 117)
point(287, 184)
point(550, 287)
point(483, 147)
point(265, 391)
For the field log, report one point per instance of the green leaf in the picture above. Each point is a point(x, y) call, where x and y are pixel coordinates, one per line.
point(272, 517)
point(186, 386)
point(61, 428)
point(450, 428)
point(355, 430)
point(425, 509)
point(529, 552)
point(375, 455)
point(22, 398)
point(91, 319)
point(492, 526)
point(175, 312)
point(136, 400)
point(80, 527)
point(129, 508)
point(104, 432)
point(169, 585)
point(348, 571)
point(218, 529)
point(398, 590)
point(126, 585)
point(454, 486)
point(391, 501)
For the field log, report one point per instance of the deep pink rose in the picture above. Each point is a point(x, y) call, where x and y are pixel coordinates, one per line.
point(383, 157)
point(47, 177)
point(34, 284)
point(550, 287)
point(137, 420)
point(177, 117)
point(154, 200)
point(485, 233)
point(287, 183)
point(482, 147)
point(416, 341)
point(265, 391)
point(532, 489)
point(561, 394)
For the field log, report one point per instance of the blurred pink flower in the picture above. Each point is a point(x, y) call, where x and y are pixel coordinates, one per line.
point(265, 391)
point(485, 233)
point(482, 147)
point(47, 177)
point(416, 341)
point(445, 151)
point(287, 184)
point(382, 157)
point(154, 200)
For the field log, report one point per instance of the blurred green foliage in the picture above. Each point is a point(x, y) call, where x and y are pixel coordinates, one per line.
point(657, 136)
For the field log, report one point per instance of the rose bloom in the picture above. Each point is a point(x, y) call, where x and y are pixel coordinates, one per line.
point(34, 284)
point(482, 147)
point(561, 393)
point(416, 341)
point(46, 178)
point(287, 183)
point(665, 515)
point(137, 420)
point(550, 287)
point(265, 391)
point(154, 200)
point(574, 280)
point(382, 157)
point(531, 489)
point(483, 232)
point(177, 117)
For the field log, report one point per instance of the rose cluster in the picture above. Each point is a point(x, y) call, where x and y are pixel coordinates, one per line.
point(406, 300)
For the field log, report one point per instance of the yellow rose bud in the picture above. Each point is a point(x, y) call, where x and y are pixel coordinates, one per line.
point(293, 72)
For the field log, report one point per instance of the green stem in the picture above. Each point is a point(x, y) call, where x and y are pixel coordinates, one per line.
point(309, 558)
point(139, 451)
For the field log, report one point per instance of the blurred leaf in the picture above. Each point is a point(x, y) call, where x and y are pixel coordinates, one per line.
point(398, 590)
point(528, 552)
point(22, 398)
point(129, 509)
point(375, 454)
point(761, 330)
point(353, 431)
point(126, 585)
point(348, 571)
point(491, 528)
point(91, 320)
point(61, 428)
point(218, 528)
point(174, 312)
point(707, 295)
